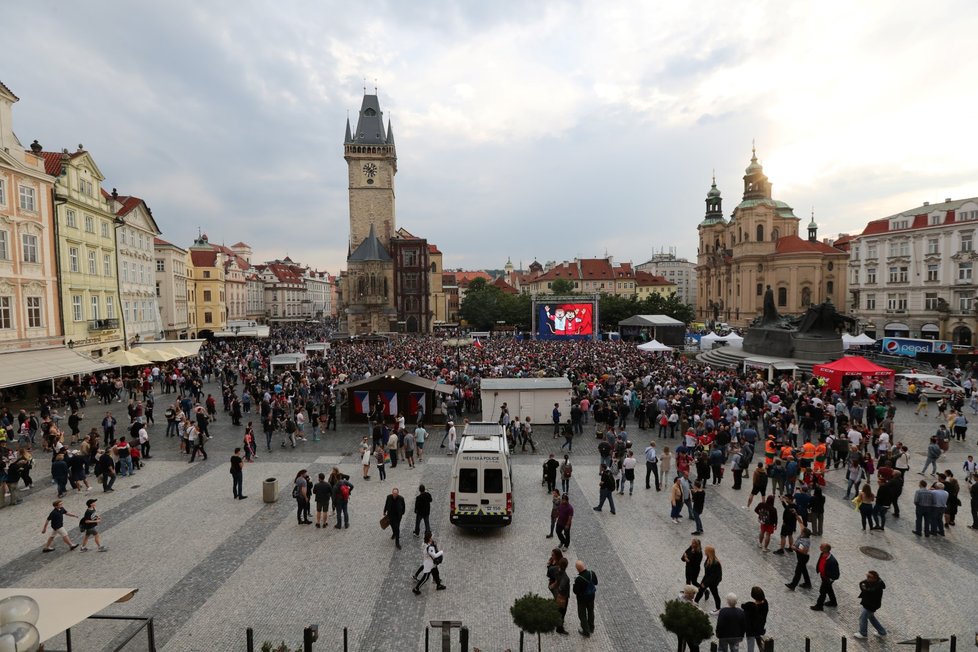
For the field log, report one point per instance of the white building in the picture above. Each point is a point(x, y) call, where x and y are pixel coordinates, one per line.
point(317, 294)
point(284, 288)
point(171, 289)
point(678, 270)
point(913, 274)
point(137, 264)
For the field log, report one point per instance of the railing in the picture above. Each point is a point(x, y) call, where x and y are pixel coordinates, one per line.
point(103, 324)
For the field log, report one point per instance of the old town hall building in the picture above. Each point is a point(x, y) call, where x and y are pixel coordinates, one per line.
point(759, 246)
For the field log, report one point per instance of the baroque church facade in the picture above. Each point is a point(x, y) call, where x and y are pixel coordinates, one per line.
point(759, 246)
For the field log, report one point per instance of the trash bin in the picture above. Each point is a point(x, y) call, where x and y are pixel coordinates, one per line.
point(269, 490)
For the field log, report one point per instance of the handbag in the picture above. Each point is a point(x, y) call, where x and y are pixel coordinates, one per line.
point(561, 601)
point(384, 522)
point(857, 502)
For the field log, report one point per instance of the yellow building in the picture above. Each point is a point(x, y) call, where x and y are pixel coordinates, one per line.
point(29, 312)
point(206, 276)
point(759, 247)
point(85, 229)
point(647, 284)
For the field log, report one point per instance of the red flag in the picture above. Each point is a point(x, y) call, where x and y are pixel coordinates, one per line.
point(477, 343)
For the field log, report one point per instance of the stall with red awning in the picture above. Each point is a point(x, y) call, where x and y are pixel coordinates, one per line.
point(839, 373)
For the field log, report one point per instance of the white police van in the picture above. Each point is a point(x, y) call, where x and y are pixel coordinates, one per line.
point(482, 478)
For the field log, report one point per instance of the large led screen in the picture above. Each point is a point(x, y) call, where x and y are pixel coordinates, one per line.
point(559, 320)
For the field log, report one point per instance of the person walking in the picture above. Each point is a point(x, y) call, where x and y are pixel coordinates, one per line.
point(676, 500)
point(342, 490)
point(566, 471)
point(827, 568)
point(565, 518)
point(767, 518)
point(555, 503)
point(699, 500)
point(300, 491)
point(197, 438)
point(693, 558)
point(422, 510)
point(816, 511)
point(628, 473)
point(409, 444)
point(323, 492)
point(712, 576)
point(758, 484)
point(105, 468)
point(394, 509)
point(585, 588)
point(431, 558)
point(550, 467)
point(731, 625)
point(419, 436)
point(652, 466)
point(237, 475)
point(866, 501)
point(555, 417)
point(802, 547)
point(871, 598)
point(365, 457)
point(755, 618)
point(56, 519)
point(380, 457)
point(89, 524)
point(606, 489)
point(560, 588)
point(933, 454)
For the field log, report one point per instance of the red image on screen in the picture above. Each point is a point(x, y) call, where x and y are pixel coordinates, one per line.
point(568, 319)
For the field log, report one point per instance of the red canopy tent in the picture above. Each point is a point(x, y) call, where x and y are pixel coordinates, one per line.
point(845, 368)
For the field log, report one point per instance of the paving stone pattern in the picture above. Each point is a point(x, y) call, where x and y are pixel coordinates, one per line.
point(208, 566)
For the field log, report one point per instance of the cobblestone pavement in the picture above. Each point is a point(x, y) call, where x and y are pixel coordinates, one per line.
point(208, 566)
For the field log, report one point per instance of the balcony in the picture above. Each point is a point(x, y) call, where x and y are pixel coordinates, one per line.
point(102, 325)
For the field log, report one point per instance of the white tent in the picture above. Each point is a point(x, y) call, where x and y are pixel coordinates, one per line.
point(732, 338)
point(707, 341)
point(849, 341)
point(655, 346)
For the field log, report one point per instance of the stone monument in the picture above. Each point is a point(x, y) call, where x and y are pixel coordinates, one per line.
point(814, 336)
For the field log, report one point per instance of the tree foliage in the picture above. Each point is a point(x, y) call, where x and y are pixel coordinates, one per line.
point(616, 308)
point(686, 621)
point(535, 614)
point(562, 286)
point(486, 304)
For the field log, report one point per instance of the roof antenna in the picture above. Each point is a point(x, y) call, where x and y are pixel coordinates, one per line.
point(364, 85)
point(375, 85)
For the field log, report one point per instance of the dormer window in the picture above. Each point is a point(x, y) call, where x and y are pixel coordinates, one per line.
point(370, 112)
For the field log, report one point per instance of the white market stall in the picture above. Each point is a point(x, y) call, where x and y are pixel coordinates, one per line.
point(655, 346)
point(850, 341)
point(732, 339)
point(708, 340)
point(771, 366)
point(526, 397)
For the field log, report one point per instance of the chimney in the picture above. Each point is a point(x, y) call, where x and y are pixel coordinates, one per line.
point(947, 200)
point(926, 203)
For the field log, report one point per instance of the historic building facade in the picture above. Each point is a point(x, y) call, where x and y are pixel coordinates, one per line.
point(86, 242)
point(136, 229)
point(205, 278)
point(757, 247)
point(29, 307)
point(913, 274)
point(171, 289)
point(368, 285)
point(679, 271)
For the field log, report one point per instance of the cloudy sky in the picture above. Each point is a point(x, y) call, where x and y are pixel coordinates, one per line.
point(542, 130)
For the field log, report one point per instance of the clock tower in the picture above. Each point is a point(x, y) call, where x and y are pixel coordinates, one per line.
point(372, 161)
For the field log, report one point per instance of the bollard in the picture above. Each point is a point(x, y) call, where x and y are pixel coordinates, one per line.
point(808, 644)
point(250, 639)
point(521, 640)
point(426, 633)
point(845, 644)
point(463, 639)
point(918, 644)
point(954, 643)
point(768, 645)
point(346, 642)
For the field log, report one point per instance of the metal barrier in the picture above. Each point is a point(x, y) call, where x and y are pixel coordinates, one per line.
point(920, 643)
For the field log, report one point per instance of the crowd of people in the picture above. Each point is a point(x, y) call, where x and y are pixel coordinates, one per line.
point(776, 441)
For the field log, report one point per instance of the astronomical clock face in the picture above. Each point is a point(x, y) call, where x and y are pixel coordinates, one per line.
point(370, 170)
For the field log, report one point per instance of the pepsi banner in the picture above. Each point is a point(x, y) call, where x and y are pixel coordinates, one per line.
point(565, 320)
point(911, 347)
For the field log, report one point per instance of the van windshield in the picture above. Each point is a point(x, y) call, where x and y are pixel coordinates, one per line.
point(493, 481)
point(468, 481)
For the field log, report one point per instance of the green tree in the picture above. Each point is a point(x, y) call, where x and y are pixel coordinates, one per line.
point(690, 625)
point(477, 285)
point(562, 286)
point(482, 305)
point(535, 615)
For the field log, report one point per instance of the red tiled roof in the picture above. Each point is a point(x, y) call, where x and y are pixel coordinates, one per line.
point(52, 162)
point(285, 273)
point(465, 277)
point(239, 244)
point(203, 257)
point(449, 278)
point(792, 244)
point(161, 241)
point(843, 240)
point(647, 279)
point(128, 204)
point(504, 286)
point(433, 249)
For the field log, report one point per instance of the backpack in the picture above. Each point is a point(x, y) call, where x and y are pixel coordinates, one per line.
point(591, 588)
point(295, 490)
point(345, 491)
point(439, 559)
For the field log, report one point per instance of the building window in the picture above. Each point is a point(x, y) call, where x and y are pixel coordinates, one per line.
point(871, 250)
point(933, 246)
point(4, 245)
point(207, 274)
point(89, 224)
point(899, 224)
point(71, 219)
point(92, 264)
point(95, 312)
point(897, 301)
point(930, 301)
point(107, 265)
point(855, 277)
point(27, 199)
point(125, 271)
point(73, 259)
point(160, 265)
point(76, 307)
point(105, 229)
point(871, 275)
point(965, 302)
point(6, 315)
point(125, 310)
point(967, 242)
point(760, 233)
point(901, 248)
point(30, 248)
point(830, 287)
point(854, 253)
point(934, 220)
point(964, 272)
point(158, 288)
point(207, 295)
point(898, 274)
point(208, 318)
point(410, 257)
point(34, 312)
point(870, 302)
point(3, 192)
point(933, 272)
point(110, 307)
point(782, 297)
point(86, 187)
point(760, 289)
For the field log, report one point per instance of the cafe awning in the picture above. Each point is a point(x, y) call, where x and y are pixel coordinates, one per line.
point(62, 609)
point(22, 367)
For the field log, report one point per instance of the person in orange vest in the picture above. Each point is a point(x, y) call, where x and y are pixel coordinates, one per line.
point(787, 452)
point(770, 450)
point(821, 455)
point(808, 454)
